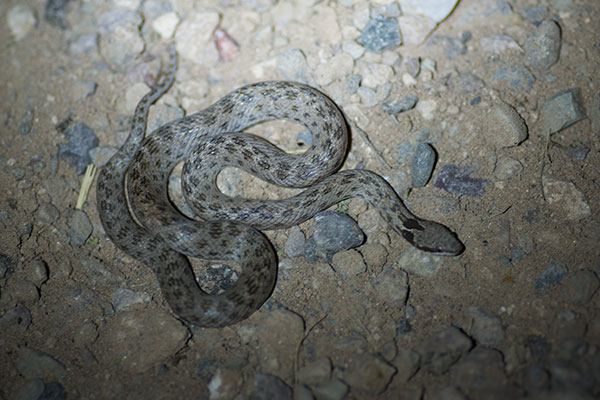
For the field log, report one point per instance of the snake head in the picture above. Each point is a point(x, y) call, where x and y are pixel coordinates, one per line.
point(432, 237)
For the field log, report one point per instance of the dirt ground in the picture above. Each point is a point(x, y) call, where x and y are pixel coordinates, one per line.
point(69, 328)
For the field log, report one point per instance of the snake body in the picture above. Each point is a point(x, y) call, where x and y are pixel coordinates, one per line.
point(139, 218)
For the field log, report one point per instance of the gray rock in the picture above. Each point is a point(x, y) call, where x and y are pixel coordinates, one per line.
point(551, 276)
point(580, 286)
point(407, 364)
point(315, 373)
point(543, 47)
point(487, 328)
point(509, 128)
point(17, 318)
point(400, 104)
point(507, 167)
point(517, 76)
point(46, 214)
point(534, 14)
point(480, 375)
point(35, 364)
point(55, 13)
point(334, 390)
point(561, 111)
point(30, 390)
point(539, 347)
point(562, 5)
point(369, 374)
point(443, 349)
point(404, 327)
point(336, 231)
point(453, 47)
point(380, 34)
point(534, 379)
point(391, 287)
point(81, 228)
point(294, 245)
point(268, 387)
point(53, 391)
point(119, 40)
point(37, 272)
point(7, 265)
point(81, 139)
point(26, 123)
point(578, 152)
point(292, 65)
point(122, 299)
point(422, 163)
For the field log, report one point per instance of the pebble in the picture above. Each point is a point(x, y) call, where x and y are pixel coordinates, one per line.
point(580, 286)
point(498, 44)
point(35, 364)
point(225, 384)
point(374, 254)
point(194, 38)
point(375, 75)
point(443, 349)
point(507, 126)
point(391, 287)
point(334, 390)
point(453, 47)
point(337, 67)
point(507, 168)
point(82, 89)
point(127, 336)
point(481, 373)
point(46, 214)
point(407, 364)
point(269, 387)
point(565, 195)
point(420, 263)
point(561, 111)
point(534, 379)
point(400, 104)
point(380, 34)
point(336, 231)
point(354, 49)
point(551, 276)
point(543, 46)
point(53, 391)
point(348, 263)
point(166, 24)
point(427, 108)
point(119, 39)
point(486, 328)
point(122, 299)
point(294, 245)
point(517, 76)
point(80, 140)
point(369, 374)
point(315, 373)
point(21, 20)
point(26, 123)
point(534, 14)
point(56, 12)
point(469, 82)
point(81, 228)
point(458, 180)
point(404, 327)
point(30, 390)
point(578, 153)
point(17, 318)
point(293, 66)
point(37, 272)
point(422, 163)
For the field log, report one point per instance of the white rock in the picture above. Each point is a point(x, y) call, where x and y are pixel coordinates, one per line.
point(21, 19)
point(355, 50)
point(565, 194)
point(427, 108)
point(337, 67)
point(194, 38)
point(165, 24)
point(375, 74)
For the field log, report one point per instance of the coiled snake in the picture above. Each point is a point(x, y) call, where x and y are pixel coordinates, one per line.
point(139, 218)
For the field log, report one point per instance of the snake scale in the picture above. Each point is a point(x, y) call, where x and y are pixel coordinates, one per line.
point(139, 218)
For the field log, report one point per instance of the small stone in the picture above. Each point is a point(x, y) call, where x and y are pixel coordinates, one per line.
point(165, 24)
point(375, 74)
point(315, 373)
point(348, 263)
point(498, 44)
point(82, 89)
point(37, 272)
point(481, 372)
point(334, 390)
point(398, 105)
point(268, 387)
point(427, 109)
point(517, 76)
point(415, 261)
point(508, 127)
point(336, 231)
point(119, 39)
point(380, 34)
point(81, 139)
point(225, 384)
point(294, 245)
point(422, 163)
point(551, 276)
point(292, 65)
point(194, 38)
point(507, 168)
point(534, 14)
point(580, 286)
point(407, 364)
point(534, 379)
point(81, 228)
point(26, 123)
point(21, 20)
point(122, 299)
point(543, 47)
point(374, 254)
point(441, 350)
point(391, 287)
point(565, 195)
point(355, 50)
point(35, 364)
point(17, 318)
point(369, 373)
point(338, 67)
point(46, 214)
point(561, 111)
point(487, 328)
point(31, 389)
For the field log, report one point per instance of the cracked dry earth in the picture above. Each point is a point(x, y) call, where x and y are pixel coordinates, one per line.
point(490, 126)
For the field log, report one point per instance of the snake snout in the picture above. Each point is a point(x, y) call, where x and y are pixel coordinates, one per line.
point(433, 237)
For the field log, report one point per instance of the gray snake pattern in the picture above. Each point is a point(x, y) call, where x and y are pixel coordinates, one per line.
point(139, 218)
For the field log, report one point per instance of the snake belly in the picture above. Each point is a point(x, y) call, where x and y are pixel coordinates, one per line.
point(139, 218)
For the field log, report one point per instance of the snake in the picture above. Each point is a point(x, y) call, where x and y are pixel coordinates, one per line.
point(140, 219)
